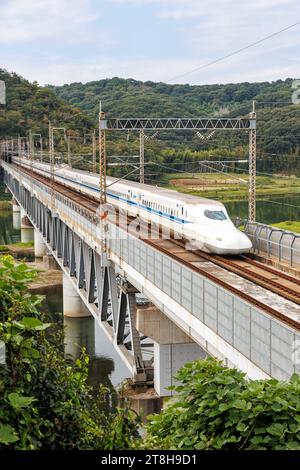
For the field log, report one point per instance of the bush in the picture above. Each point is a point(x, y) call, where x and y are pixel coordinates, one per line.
point(218, 408)
point(45, 402)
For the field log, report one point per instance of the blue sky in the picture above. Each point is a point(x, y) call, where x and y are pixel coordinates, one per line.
point(62, 41)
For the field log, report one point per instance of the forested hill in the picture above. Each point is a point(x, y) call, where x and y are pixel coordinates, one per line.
point(121, 97)
point(278, 119)
point(31, 106)
point(76, 107)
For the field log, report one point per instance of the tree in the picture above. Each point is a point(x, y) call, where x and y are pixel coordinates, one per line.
point(218, 408)
point(45, 402)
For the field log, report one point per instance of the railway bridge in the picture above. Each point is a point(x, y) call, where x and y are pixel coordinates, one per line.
point(160, 304)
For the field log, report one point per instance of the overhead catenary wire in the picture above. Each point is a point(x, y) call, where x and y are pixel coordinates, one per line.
point(233, 53)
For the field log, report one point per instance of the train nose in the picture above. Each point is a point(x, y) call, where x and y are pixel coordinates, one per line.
point(238, 243)
point(230, 244)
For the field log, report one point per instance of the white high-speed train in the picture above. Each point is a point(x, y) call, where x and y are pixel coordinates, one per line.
point(202, 221)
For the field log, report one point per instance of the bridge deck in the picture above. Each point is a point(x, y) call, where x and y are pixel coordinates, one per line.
point(209, 304)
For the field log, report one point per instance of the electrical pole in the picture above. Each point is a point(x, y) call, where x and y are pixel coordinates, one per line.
point(142, 157)
point(31, 146)
point(19, 147)
point(94, 151)
point(41, 148)
point(31, 151)
point(51, 158)
point(69, 151)
point(252, 167)
point(102, 175)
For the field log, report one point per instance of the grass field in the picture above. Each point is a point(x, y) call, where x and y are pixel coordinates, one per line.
point(5, 205)
point(292, 226)
point(231, 186)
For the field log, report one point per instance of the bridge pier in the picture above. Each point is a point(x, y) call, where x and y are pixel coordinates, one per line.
point(79, 332)
point(73, 306)
point(172, 347)
point(15, 205)
point(27, 230)
point(16, 214)
point(40, 248)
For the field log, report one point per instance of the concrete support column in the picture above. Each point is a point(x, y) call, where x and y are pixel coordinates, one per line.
point(50, 262)
point(27, 230)
point(15, 205)
point(40, 248)
point(73, 306)
point(16, 214)
point(172, 347)
point(79, 332)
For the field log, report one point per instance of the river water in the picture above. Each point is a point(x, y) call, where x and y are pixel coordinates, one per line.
point(268, 211)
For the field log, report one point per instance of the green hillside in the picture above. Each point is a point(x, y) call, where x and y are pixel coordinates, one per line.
point(31, 106)
point(76, 106)
point(278, 119)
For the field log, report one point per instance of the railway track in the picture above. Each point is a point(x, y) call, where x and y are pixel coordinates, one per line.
point(274, 280)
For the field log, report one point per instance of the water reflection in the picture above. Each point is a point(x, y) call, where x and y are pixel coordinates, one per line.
point(268, 211)
point(105, 367)
point(7, 233)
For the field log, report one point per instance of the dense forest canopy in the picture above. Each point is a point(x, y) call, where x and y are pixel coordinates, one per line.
point(128, 97)
point(278, 118)
point(30, 106)
point(76, 106)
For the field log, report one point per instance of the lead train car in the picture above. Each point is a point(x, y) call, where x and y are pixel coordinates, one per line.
point(203, 222)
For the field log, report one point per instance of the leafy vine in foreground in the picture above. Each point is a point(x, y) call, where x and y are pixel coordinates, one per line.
point(218, 408)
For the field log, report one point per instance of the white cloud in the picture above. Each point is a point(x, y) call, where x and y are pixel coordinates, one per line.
point(249, 68)
point(210, 30)
point(32, 20)
point(206, 31)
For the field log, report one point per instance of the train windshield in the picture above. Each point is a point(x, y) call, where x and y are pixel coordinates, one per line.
point(215, 215)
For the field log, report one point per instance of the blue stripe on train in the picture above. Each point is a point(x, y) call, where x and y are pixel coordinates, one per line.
point(128, 201)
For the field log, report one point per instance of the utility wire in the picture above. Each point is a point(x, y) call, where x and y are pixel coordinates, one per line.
point(201, 67)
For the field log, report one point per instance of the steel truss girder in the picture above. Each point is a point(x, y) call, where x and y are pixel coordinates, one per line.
point(95, 278)
point(177, 123)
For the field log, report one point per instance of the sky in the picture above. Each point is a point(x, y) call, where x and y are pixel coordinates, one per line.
point(65, 41)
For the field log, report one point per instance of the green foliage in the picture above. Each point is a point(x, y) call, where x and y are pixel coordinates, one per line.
point(76, 106)
point(23, 244)
point(130, 98)
point(5, 205)
point(218, 408)
point(292, 226)
point(45, 402)
point(31, 106)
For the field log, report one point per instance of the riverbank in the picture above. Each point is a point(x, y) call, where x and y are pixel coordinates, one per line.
point(48, 281)
point(5, 205)
point(232, 186)
point(19, 250)
point(292, 226)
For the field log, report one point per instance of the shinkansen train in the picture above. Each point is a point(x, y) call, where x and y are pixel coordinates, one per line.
point(203, 222)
